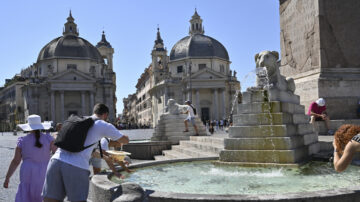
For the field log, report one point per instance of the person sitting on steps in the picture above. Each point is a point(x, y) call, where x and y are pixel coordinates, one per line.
point(317, 112)
point(190, 118)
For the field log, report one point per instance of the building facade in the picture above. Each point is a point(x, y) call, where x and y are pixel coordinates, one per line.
point(197, 69)
point(69, 77)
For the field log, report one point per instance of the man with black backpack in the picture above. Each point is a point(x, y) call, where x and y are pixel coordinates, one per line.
point(68, 170)
point(191, 111)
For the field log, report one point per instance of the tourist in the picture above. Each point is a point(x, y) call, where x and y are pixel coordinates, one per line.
point(346, 143)
point(190, 118)
point(95, 160)
point(34, 149)
point(57, 129)
point(317, 112)
point(211, 128)
point(68, 172)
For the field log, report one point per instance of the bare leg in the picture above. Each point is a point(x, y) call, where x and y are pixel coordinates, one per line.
point(312, 119)
point(196, 130)
point(96, 170)
point(186, 125)
point(327, 122)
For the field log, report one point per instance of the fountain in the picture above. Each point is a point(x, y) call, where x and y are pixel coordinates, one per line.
point(266, 157)
point(171, 125)
point(270, 126)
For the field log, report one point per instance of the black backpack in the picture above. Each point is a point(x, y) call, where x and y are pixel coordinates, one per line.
point(194, 109)
point(72, 135)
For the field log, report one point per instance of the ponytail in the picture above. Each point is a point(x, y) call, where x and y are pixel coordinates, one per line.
point(37, 136)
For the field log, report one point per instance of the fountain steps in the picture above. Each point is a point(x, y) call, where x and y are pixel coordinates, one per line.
point(193, 152)
point(265, 118)
point(270, 127)
point(175, 154)
point(203, 146)
point(273, 106)
point(196, 147)
point(207, 139)
point(271, 95)
point(266, 130)
point(265, 156)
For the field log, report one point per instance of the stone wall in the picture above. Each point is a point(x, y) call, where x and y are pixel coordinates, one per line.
point(319, 49)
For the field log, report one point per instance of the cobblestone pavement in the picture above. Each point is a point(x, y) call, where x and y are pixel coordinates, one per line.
point(7, 150)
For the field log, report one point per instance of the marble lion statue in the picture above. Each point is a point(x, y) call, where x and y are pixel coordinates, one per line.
point(174, 108)
point(269, 61)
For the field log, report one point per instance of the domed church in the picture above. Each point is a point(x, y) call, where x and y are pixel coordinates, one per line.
point(198, 69)
point(69, 77)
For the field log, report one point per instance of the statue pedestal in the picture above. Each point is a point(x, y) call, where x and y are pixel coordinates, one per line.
point(270, 128)
point(170, 128)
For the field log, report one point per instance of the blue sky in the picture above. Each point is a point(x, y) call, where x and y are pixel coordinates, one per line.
point(244, 27)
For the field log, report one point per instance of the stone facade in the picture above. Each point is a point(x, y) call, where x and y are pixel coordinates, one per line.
point(69, 77)
point(199, 72)
point(319, 49)
point(11, 104)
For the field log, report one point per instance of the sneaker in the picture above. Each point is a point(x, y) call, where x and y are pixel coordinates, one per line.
point(185, 131)
point(330, 132)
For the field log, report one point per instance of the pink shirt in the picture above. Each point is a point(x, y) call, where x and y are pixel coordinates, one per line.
point(316, 108)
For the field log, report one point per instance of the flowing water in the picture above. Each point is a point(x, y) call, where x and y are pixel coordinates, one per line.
point(207, 178)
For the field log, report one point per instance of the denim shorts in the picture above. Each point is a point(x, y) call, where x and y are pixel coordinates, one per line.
point(63, 179)
point(95, 162)
point(191, 120)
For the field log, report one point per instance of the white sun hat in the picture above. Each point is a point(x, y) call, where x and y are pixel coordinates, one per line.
point(34, 123)
point(320, 102)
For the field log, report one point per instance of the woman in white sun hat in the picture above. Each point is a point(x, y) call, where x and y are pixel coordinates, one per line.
point(34, 150)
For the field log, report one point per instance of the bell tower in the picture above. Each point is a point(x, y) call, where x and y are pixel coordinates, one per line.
point(159, 59)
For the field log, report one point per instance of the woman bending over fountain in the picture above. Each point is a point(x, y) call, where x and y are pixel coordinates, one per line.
point(346, 143)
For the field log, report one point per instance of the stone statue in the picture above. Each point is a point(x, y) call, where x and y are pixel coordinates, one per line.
point(235, 73)
point(174, 108)
point(50, 70)
point(268, 72)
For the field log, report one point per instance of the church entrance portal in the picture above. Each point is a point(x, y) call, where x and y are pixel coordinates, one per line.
point(205, 114)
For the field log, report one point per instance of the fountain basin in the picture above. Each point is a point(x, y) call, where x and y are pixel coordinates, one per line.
point(146, 149)
point(315, 182)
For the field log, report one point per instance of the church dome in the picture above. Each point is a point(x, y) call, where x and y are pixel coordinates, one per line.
point(198, 46)
point(69, 46)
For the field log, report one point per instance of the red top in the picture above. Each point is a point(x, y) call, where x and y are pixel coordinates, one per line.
point(315, 108)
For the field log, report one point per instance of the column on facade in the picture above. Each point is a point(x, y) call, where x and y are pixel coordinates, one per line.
point(216, 114)
point(91, 101)
point(183, 97)
point(166, 95)
point(223, 113)
point(62, 110)
point(83, 112)
point(198, 102)
point(52, 105)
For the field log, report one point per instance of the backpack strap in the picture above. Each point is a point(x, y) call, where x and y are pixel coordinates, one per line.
point(101, 153)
